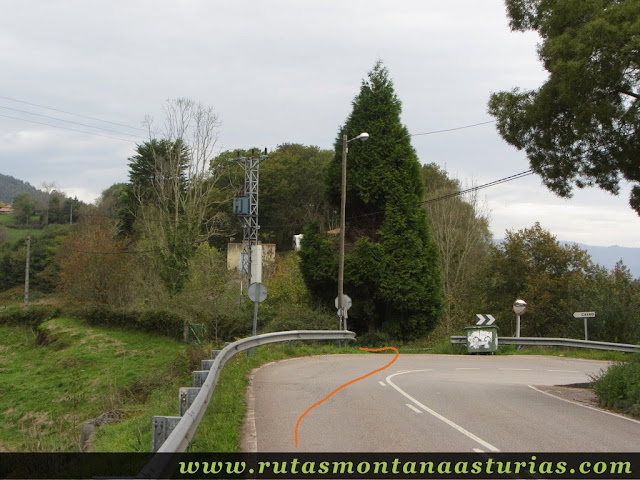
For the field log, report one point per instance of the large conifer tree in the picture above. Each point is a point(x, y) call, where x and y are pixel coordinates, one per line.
point(391, 268)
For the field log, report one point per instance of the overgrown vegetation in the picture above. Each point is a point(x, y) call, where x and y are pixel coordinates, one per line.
point(619, 386)
point(62, 373)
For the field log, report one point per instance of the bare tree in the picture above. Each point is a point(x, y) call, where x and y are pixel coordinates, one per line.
point(173, 187)
point(460, 227)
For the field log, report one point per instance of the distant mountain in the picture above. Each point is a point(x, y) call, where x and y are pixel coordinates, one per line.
point(607, 256)
point(10, 187)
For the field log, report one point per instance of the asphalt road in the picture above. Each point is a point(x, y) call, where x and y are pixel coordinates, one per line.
point(430, 403)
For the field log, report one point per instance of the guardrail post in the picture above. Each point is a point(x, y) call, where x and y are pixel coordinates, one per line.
point(161, 429)
point(186, 397)
point(199, 376)
point(166, 438)
point(206, 364)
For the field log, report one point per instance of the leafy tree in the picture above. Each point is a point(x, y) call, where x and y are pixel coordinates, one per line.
point(582, 126)
point(158, 166)
point(24, 207)
point(43, 267)
point(531, 264)
point(392, 270)
point(118, 203)
point(616, 300)
point(460, 227)
point(292, 191)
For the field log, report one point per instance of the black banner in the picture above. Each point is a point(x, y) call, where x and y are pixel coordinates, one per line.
point(321, 465)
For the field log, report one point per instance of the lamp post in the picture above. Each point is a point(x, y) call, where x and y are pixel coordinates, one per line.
point(342, 324)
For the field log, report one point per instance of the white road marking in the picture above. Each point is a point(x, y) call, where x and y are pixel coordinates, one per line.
point(437, 415)
point(382, 383)
point(413, 408)
point(478, 450)
point(583, 405)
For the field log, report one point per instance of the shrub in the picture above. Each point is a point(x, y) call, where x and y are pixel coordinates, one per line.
point(162, 322)
point(299, 317)
point(32, 316)
point(619, 386)
point(374, 340)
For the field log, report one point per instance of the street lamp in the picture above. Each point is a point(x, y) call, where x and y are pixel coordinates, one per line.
point(342, 317)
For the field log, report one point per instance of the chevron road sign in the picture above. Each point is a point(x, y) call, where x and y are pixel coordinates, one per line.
point(484, 319)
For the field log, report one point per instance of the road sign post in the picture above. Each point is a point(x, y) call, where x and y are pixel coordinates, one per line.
point(585, 315)
point(519, 308)
point(342, 312)
point(258, 293)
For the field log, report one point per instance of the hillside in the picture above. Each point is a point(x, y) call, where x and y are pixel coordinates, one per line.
point(10, 187)
point(609, 256)
point(64, 373)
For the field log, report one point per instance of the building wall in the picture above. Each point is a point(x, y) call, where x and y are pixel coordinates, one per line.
point(234, 252)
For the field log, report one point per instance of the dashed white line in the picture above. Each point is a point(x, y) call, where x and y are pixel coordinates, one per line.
point(382, 383)
point(413, 408)
point(438, 416)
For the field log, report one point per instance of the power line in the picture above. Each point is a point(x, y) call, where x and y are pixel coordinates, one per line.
point(69, 121)
point(71, 113)
point(516, 176)
point(461, 192)
point(452, 129)
point(70, 129)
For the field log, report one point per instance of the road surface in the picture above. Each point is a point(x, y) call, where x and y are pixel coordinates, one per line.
point(430, 403)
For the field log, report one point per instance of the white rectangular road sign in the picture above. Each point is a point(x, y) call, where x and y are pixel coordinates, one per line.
point(584, 314)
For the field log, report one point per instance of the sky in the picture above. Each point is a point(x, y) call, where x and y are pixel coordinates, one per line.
point(277, 71)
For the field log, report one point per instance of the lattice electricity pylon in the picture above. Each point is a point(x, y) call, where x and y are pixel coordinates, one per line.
point(247, 207)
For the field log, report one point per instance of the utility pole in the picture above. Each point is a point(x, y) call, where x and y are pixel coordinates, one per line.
point(26, 273)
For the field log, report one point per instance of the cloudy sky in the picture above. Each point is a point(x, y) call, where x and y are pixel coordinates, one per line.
point(276, 71)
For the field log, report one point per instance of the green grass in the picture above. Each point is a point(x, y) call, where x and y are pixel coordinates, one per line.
point(565, 352)
point(56, 377)
point(16, 232)
point(221, 426)
point(63, 373)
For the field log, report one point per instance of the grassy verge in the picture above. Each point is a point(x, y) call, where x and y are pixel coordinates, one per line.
point(56, 376)
point(565, 352)
point(221, 426)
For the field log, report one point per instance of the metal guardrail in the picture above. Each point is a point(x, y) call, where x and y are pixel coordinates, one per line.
point(181, 436)
point(557, 342)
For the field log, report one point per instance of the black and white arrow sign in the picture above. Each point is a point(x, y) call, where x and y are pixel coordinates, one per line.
point(484, 319)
